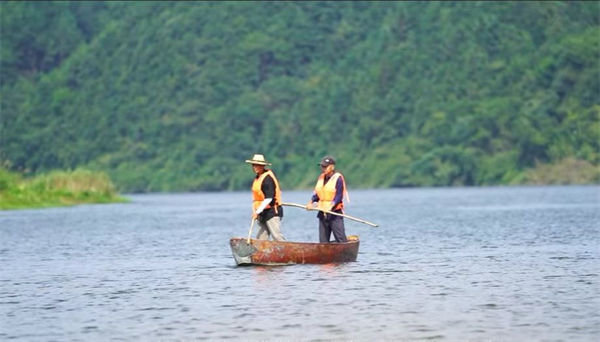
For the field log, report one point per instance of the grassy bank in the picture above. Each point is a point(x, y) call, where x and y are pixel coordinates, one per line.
point(56, 189)
point(569, 171)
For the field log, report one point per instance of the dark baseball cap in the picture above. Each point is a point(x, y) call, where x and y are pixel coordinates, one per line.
point(326, 161)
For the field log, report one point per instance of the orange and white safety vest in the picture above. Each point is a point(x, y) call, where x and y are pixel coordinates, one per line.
point(258, 196)
point(326, 192)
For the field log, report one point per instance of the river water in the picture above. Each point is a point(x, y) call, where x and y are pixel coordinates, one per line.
point(500, 263)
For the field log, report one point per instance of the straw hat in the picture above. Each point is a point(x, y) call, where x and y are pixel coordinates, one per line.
point(258, 159)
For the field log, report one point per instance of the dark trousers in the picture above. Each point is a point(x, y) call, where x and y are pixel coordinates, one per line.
point(329, 225)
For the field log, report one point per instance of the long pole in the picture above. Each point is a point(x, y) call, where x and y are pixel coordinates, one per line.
point(331, 213)
point(250, 232)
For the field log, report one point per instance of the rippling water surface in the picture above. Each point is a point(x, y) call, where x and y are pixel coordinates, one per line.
point(446, 264)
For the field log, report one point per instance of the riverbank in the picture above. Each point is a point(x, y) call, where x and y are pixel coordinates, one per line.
point(56, 189)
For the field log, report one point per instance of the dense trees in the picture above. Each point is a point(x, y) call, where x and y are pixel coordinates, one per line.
point(170, 96)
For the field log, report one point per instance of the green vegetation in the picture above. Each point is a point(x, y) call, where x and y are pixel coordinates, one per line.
point(568, 171)
point(55, 189)
point(174, 96)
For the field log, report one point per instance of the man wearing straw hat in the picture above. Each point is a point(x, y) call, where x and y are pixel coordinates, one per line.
point(329, 192)
point(266, 205)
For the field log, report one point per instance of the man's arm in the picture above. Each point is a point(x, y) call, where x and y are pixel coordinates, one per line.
point(268, 189)
point(315, 197)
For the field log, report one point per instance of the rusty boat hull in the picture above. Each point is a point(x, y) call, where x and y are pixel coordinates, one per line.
point(264, 252)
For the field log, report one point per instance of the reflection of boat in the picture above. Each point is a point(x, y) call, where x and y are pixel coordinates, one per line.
point(264, 252)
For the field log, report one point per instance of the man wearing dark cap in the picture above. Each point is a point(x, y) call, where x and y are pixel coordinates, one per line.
point(328, 194)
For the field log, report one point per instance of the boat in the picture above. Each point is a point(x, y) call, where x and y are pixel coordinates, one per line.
point(271, 253)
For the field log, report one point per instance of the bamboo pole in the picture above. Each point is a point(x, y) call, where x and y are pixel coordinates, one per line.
point(330, 212)
point(250, 232)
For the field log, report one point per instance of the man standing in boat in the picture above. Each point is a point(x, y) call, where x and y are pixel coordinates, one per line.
point(329, 193)
point(266, 196)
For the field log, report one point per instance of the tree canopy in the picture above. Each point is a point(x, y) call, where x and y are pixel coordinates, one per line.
point(174, 96)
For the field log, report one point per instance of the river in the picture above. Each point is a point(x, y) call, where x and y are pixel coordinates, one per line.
point(497, 263)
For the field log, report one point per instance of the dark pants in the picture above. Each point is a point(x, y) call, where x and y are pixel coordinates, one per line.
point(329, 225)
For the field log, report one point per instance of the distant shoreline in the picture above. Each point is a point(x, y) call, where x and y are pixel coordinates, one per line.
point(81, 186)
point(56, 189)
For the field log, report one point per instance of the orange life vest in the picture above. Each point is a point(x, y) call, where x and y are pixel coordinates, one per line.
point(326, 192)
point(258, 196)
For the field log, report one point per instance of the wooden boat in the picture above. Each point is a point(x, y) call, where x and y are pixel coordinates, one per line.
point(264, 252)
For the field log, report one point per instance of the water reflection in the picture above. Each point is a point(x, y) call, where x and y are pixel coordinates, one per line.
point(331, 269)
point(264, 275)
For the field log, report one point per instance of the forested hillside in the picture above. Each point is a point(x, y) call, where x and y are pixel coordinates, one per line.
point(174, 96)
